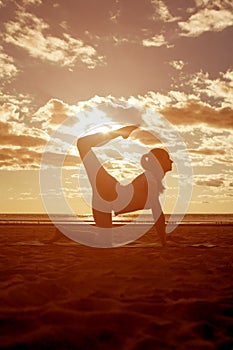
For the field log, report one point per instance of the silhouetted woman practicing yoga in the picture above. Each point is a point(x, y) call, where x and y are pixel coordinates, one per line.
point(111, 196)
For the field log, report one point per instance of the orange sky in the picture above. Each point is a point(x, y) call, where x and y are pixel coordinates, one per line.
point(58, 58)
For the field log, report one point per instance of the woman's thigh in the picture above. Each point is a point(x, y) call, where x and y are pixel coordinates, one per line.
point(101, 181)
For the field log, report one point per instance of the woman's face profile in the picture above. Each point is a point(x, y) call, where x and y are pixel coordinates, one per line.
point(166, 163)
point(163, 158)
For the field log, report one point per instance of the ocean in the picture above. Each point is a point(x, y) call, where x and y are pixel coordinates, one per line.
point(44, 219)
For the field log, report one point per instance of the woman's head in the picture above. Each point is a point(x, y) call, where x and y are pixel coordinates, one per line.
point(157, 157)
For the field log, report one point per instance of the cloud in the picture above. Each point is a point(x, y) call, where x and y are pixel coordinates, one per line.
point(179, 64)
point(197, 113)
point(120, 40)
point(210, 148)
point(11, 139)
point(145, 137)
point(155, 41)
point(214, 4)
point(22, 145)
point(54, 112)
point(53, 158)
point(14, 132)
point(208, 151)
point(22, 141)
point(114, 16)
point(113, 153)
point(19, 158)
point(162, 12)
point(214, 182)
point(31, 2)
point(210, 101)
point(8, 112)
point(32, 34)
point(220, 89)
point(206, 20)
point(8, 70)
point(26, 158)
point(176, 107)
point(217, 94)
point(122, 170)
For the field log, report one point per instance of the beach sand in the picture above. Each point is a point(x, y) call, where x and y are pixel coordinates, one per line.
point(56, 294)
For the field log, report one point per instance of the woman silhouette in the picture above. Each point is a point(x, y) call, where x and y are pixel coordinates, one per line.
point(108, 195)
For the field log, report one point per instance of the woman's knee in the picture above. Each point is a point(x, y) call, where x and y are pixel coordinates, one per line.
point(102, 219)
point(81, 147)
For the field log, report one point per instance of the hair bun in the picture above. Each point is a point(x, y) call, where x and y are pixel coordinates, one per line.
point(145, 160)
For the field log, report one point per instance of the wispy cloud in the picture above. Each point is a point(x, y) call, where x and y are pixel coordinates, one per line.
point(162, 12)
point(32, 34)
point(216, 144)
point(156, 41)
point(177, 64)
point(31, 2)
point(210, 181)
point(14, 132)
point(220, 89)
point(208, 151)
point(8, 70)
point(19, 158)
point(114, 15)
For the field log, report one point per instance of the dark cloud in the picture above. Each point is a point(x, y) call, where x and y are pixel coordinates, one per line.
point(224, 160)
point(19, 158)
point(210, 182)
point(17, 134)
point(4, 129)
point(22, 140)
point(54, 159)
point(145, 137)
point(26, 158)
point(196, 113)
point(208, 151)
point(113, 153)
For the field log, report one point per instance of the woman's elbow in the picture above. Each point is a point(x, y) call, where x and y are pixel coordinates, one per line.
point(78, 144)
point(81, 143)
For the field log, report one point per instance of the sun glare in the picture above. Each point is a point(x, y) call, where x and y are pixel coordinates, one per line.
point(106, 128)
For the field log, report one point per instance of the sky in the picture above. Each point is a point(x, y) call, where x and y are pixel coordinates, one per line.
point(82, 61)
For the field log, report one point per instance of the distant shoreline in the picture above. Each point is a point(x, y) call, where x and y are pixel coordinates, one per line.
point(143, 219)
point(50, 223)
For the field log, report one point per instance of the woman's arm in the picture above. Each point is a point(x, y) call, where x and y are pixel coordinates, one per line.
point(85, 143)
point(159, 222)
point(160, 228)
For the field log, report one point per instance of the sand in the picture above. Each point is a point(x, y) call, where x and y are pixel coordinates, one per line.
point(56, 294)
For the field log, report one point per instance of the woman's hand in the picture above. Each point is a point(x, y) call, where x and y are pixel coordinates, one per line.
point(126, 131)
